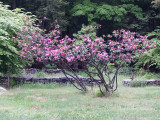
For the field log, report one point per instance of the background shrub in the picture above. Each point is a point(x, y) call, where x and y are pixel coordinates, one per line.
point(138, 84)
point(11, 21)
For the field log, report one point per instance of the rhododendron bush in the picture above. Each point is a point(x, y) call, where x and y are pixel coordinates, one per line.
point(98, 53)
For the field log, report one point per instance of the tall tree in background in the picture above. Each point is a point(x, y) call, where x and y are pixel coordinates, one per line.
point(136, 15)
point(111, 14)
point(156, 3)
point(13, 4)
point(142, 16)
point(151, 60)
point(51, 9)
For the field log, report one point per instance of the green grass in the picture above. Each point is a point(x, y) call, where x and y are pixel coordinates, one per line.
point(57, 102)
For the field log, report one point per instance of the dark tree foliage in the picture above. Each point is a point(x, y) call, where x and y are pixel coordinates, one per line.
point(136, 15)
point(141, 16)
point(51, 9)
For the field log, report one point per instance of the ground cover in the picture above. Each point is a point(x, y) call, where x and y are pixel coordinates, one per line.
point(56, 102)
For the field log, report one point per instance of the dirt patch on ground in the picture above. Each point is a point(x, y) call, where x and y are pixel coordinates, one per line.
point(35, 108)
point(41, 99)
point(38, 90)
point(38, 94)
point(89, 106)
point(2, 92)
point(63, 99)
point(6, 108)
point(15, 93)
point(29, 96)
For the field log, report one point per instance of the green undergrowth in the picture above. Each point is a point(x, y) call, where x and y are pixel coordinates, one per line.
point(44, 102)
point(39, 86)
point(64, 102)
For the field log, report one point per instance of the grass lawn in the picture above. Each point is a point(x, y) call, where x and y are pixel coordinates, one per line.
point(54, 102)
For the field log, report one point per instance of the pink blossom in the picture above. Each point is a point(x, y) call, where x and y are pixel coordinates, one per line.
point(89, 45)
point(148, 46)
point(154, 42)
point(129, 54)
point(66, 36)
point(100, 43)
point(63, 54)
point(47, 45)
point(129, 40)
point(104, 35)
point(77, 48)
point(127, 60)
point(89, 40)
point(130, 47)
point(78, 56)
point(123, 47)
point(97, 40)
point(99, 55)
point(68, 59)
point(83, 48)
point(94, 51)
point(34, 48)
point(44, 17)
point(137, 40)
point(134, 47)
point(47, 55)
point(69, 39)
point(72, 58)
point(55, 57)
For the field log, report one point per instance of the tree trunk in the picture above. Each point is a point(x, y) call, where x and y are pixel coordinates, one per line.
point(8, 82)
point(148, 67)
point(13, 4)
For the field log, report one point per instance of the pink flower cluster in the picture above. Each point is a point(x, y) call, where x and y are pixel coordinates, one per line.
point(37, 45)
point(127, 44)
point(43, 47)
